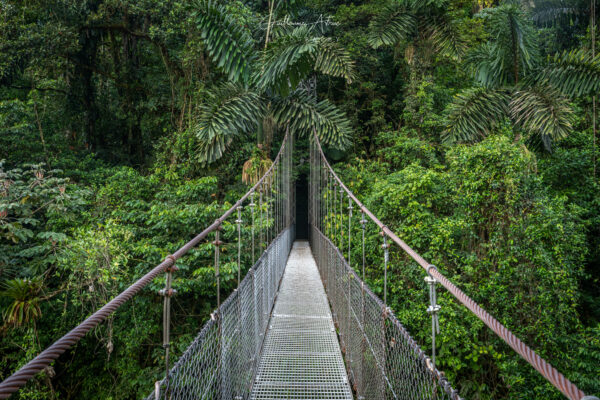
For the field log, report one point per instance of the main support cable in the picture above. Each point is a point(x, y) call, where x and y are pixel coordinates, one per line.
point(551, 374)
point(42, 360)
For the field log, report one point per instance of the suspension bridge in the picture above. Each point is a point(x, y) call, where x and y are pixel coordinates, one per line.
point(302, 323)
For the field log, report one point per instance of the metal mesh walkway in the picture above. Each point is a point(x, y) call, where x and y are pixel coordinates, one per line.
point(266, 345)
point(301, 357)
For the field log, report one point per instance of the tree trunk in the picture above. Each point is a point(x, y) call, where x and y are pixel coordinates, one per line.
point(515, 57)
point(83, 91)
point(593, 31)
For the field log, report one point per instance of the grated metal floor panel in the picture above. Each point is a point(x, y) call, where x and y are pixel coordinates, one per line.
point(301, 357)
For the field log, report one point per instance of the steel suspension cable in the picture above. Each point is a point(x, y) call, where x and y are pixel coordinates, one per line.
point(550, 373)
point(51, 353)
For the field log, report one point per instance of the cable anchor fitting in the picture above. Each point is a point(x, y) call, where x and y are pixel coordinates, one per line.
point(433, 309)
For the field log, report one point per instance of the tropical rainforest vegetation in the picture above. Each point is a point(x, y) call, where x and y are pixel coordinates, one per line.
point(468, 126)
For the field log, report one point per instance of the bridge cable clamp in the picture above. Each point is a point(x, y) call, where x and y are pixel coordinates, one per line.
point(167, 292)
point(433, 309)
point(157, 390)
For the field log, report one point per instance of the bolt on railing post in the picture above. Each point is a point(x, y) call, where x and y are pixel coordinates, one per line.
point(433, 309)
point(167, 292)
point(386, 256)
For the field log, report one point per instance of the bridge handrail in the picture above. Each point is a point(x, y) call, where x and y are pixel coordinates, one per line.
point(552, 375)
point(42, 360)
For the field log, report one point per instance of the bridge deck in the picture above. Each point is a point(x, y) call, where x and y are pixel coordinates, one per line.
point(301, 357)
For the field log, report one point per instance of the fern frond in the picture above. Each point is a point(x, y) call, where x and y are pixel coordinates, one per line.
point(228, 43)
point(474, 113)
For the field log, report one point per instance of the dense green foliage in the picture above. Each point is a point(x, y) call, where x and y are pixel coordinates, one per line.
point(465, 125)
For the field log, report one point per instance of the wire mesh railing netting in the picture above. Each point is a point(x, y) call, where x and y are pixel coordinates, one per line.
point(382, 359)
point(221, 361)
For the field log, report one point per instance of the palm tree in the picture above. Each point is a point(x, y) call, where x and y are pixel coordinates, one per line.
point(421, 30)
point(424, 27)
point(262, 91)
point(516, 86)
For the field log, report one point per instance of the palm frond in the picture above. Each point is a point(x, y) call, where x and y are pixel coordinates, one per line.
point(288, 60)
point(480, 62)
point(514, 39)
point(303, 113)
point(211, 150)
point(474, 113)
point(333, 59)
point(425, 6)
point(574, 73)
point(228, 43)
point(395, 22)
point(291, 58)
point(230, 110)
point(541, 111)
point(446, 36)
